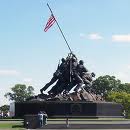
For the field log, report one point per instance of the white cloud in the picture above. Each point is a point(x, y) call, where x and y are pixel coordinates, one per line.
point(121, 38)
point(128, 67)
point(9, 73)
point(95, 36)
point(83, 35)
point(92, 36)
point(124, 74)
point(28, 80)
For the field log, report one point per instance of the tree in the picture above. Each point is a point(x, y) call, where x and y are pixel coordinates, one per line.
point(104, 84)
point(120, 97)
point(124, 88)
point(20, 92)
point(4, 108)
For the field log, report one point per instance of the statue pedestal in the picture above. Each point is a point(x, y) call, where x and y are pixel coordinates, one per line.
point(69, 109)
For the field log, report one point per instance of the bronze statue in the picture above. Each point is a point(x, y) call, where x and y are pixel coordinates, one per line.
point(70, 74)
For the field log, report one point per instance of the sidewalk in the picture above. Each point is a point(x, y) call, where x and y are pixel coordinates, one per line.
point(87, 124)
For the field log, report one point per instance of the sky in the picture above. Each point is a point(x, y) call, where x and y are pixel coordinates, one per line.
point(98, 32)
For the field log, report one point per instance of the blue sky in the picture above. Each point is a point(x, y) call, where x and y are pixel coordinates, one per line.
point(98, 32)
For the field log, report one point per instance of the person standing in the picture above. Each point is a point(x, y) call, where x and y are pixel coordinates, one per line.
point(45, 118)
point(40, 118)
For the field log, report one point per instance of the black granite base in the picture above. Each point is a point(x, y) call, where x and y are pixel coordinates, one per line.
point(69, 108)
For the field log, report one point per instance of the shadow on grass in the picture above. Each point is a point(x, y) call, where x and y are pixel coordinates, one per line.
point(18, 126)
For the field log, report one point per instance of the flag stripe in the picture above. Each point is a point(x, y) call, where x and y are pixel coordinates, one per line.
point(50, 22)
point(49, 25)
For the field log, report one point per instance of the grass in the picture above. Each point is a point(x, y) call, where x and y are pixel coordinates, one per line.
point(11, 125)
point(10, 119)
point(14, 124)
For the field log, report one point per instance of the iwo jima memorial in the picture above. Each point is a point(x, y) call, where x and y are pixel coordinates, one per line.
point(60, 100)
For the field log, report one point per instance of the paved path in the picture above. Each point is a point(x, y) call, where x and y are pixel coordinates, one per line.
point(83, 124)
point(10, 122)
point(87, 125)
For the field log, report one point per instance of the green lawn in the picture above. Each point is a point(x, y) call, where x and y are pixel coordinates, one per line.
point(11, 125)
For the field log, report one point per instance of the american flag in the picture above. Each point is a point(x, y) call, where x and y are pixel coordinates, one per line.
point(50, 22)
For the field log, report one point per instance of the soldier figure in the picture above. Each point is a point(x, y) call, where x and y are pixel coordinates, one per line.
point(87, 78)
point(73, 77)
point(79, 74)
point(81, 68)
point(56, 75)
point(70, 73)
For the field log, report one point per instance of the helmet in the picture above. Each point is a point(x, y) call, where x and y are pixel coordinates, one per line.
point(93, 74)
point(81, 62)
point(63, 59)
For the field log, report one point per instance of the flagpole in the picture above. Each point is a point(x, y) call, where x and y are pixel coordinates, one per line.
point(67, 46)
point(65, 41)
point(60, 29)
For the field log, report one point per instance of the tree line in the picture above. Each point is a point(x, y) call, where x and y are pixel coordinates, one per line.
point(113, 90)
point(108, 86)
